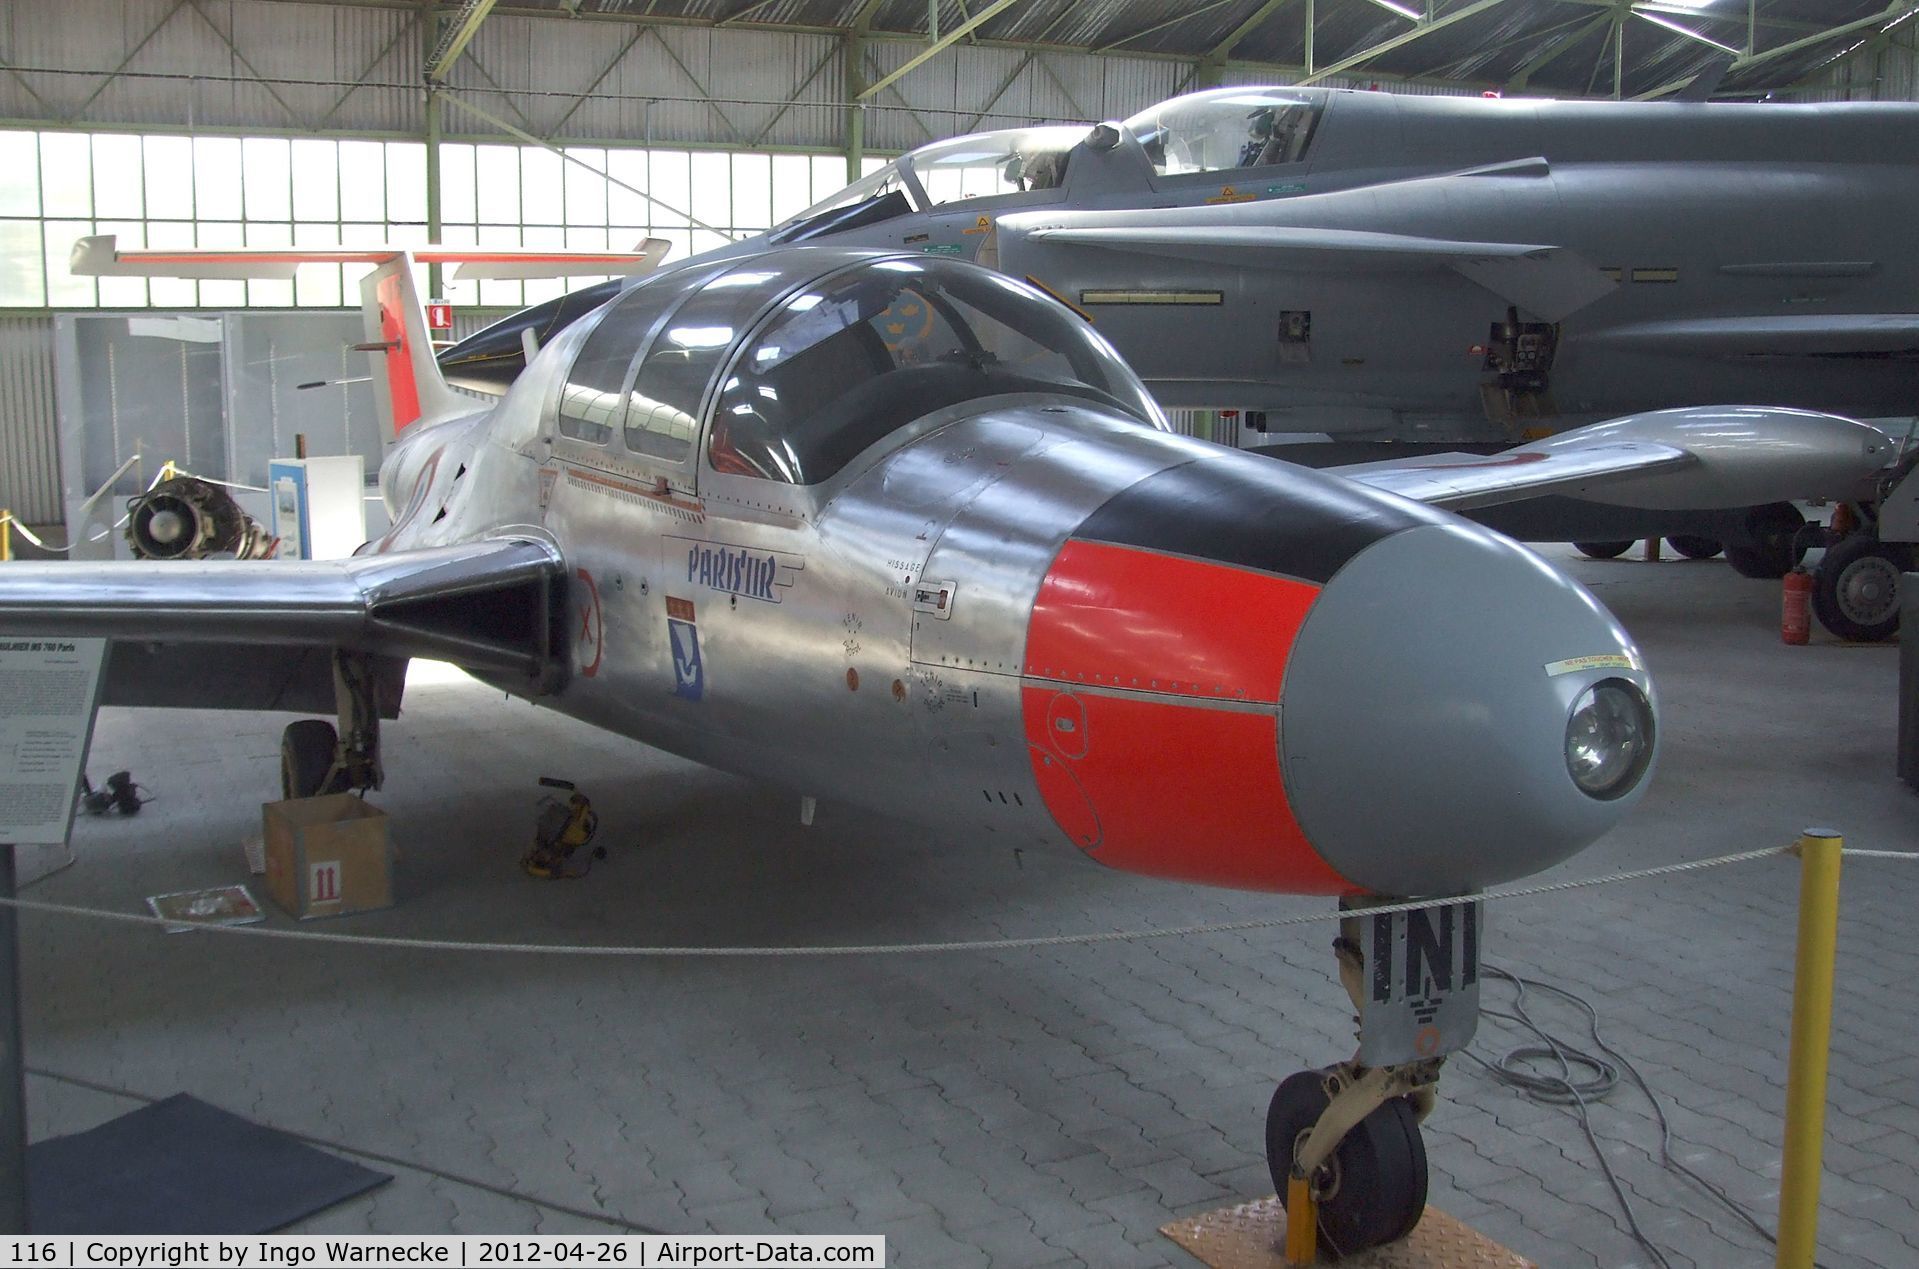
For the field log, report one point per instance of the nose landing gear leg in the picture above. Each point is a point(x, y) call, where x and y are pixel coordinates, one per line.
point(1350, 1131)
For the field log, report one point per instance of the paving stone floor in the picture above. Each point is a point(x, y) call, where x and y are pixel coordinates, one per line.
point(1016, 1108)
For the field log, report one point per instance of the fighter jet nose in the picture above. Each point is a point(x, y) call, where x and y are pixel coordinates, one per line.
point(1457, 713)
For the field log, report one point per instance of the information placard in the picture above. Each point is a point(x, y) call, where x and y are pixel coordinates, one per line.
point(48, 690)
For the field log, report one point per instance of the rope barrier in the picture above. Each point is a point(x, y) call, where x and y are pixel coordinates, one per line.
point(903, 949)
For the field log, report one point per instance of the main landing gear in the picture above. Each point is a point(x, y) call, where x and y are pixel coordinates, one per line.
point(1351, 1130)
point(316, 758)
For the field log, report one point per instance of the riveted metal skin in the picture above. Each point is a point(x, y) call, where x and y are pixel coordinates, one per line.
point(1016, 607)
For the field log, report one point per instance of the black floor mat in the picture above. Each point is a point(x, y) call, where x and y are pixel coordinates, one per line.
point(181, 1166)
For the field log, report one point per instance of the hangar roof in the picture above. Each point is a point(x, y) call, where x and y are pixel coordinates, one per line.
point(1558, 47)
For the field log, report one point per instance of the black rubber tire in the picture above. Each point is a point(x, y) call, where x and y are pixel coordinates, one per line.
point(1602, 550)
point(1385, 1149)
point(1855, 590)
point(1773, 550)
point(307, 748)
point(1694, 548)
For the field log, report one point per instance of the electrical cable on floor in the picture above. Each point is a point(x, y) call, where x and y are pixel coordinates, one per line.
point(1564, 1090)
point(393, 1161)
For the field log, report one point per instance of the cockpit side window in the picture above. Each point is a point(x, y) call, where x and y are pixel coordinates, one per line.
point(1217, 132)
point(858, 356)
point(663, 406)
point(590, 400)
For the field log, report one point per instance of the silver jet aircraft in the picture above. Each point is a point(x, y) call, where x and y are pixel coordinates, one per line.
point(897, 530)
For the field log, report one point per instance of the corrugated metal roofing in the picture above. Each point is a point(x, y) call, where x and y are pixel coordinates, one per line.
point(1489, 48)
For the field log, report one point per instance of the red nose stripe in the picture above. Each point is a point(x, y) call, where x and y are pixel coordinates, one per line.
point(1148, 743)
point(1115, 616)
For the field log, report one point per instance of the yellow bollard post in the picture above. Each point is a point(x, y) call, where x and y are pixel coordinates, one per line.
point(6, 535)
point(1819, 851)
point(1302, 1223)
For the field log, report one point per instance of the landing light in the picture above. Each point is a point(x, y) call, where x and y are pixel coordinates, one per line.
point(1609, 738)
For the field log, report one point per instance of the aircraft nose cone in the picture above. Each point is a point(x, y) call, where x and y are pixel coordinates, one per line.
point(1457, 713)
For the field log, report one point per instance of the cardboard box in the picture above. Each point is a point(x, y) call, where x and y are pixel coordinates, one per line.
point(328, 856)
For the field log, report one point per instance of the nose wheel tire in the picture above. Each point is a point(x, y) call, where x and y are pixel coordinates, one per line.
point(308, 750)
point(1694, 548)
point(1602, 550)
point(1373, 1188)
point(1855, 592)
point(1775, 546)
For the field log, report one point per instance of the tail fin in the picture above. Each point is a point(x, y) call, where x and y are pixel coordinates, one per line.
point(397, 334)
point(396, 328)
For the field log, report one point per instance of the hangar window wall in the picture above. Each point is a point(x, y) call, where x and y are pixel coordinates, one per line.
point(237, 191)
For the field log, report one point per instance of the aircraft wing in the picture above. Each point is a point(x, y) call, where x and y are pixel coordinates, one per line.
point(1547, 280)
point(254, 634)
point(1793, 335)
point(1695, 459)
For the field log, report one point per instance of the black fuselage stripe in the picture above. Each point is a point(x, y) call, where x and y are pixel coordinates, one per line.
point(1253, 513)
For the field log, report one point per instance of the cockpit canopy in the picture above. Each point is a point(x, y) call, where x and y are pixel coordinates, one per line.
point(1228, 128)
point(803, 359)
point(983, 165)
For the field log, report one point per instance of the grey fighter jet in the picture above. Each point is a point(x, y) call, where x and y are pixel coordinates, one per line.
point(898, 530)
point(1443, 269)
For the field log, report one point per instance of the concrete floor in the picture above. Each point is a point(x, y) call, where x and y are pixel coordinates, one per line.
point(1018, 1108)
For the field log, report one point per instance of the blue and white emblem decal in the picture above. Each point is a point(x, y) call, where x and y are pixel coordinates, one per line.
point(683, 637)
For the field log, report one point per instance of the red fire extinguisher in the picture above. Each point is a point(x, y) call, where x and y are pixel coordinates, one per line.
point(1795, 616)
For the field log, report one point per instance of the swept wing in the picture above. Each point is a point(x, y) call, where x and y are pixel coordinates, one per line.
point(1698, 459)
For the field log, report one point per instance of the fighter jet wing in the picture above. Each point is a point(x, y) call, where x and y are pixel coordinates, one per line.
point(240, 624)
point(1694, 459)
point(1547, 280)
point(1794, 335)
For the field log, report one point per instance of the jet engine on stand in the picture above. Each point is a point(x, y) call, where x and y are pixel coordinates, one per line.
point(186, 518)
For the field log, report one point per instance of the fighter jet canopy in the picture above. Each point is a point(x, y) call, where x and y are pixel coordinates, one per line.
point(982, 165)
point(1228, 128)
point(802, 359)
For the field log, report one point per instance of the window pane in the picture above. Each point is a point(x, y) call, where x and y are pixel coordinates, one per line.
point(62, 287)
point(406, 181)
point(792, 185)
point(316, 180)
point(541, 177)
point(216, 178)
point(171, 292)
point(672, 186)
point(169, 168)
point(586, 189)
point(713, 190)
point(829, 174)
point(463, 294)
point(456, 184)
point(19, 176)
point(362, 180)
point(543, 238)
point(21, 285)
point(317, 284)
point(626, 206)
point(116, 177)
point(124, 292)
point(752, 192)
point(269, 292)
point(267, 163)
point(498, 167)
point(494, 291)
point(223, 294)
point(65, 174)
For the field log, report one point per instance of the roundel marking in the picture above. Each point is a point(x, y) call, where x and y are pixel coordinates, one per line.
point(589, 640)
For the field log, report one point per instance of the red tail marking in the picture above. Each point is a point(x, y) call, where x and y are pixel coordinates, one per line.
point(404, 391)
